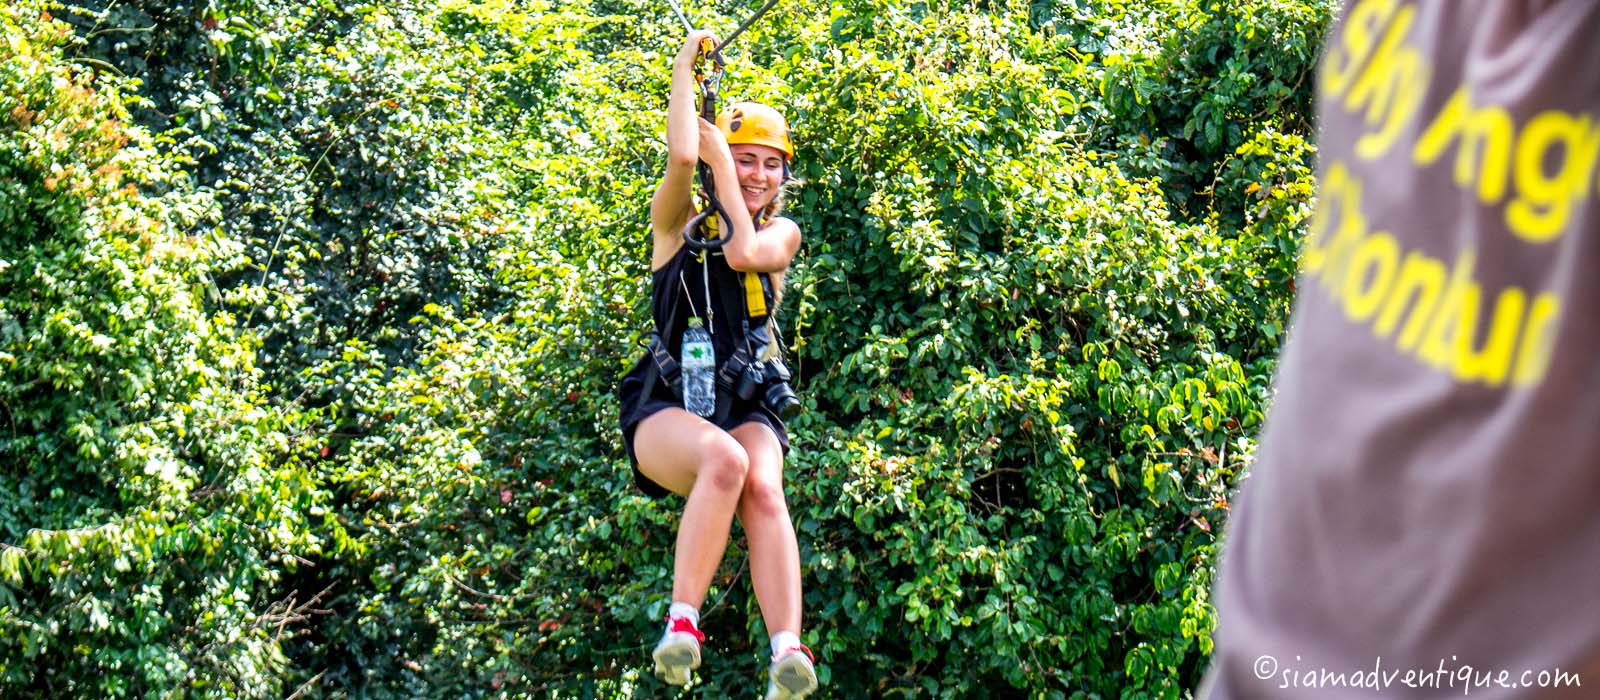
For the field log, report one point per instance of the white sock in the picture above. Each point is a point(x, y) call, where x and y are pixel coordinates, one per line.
point(684, 610)
point(783, 641)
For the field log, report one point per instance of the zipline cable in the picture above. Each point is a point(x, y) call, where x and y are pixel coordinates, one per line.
point(686, 23)
point(717, 54)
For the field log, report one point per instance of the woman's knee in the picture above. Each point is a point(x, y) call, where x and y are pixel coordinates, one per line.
point(725, 464)
point(763, 498)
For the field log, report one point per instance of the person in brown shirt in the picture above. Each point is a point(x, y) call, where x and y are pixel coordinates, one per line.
point(1423, 516)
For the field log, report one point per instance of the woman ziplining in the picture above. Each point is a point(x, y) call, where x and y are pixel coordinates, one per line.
point(702, 410)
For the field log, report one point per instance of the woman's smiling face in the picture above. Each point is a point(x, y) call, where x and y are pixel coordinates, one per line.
point(760, 172)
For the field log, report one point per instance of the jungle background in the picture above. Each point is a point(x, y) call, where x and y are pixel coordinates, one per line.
point(312, 311)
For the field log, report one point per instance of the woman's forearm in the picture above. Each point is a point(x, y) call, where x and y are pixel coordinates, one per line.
point(728, 193)
point(683, 141)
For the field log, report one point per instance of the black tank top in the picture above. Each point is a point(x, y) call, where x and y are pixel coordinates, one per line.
point(682, 282)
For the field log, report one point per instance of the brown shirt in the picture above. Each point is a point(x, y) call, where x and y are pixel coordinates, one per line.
point(1426, 494)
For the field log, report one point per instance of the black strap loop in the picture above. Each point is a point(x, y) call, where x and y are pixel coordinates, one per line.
point(694, 232)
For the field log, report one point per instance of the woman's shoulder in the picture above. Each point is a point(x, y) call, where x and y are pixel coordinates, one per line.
point(778, 223)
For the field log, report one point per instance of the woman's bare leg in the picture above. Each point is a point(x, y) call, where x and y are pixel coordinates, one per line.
point(774, 552)
point(689, 456)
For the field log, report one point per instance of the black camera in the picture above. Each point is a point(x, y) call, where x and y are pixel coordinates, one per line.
point(771, 374)
point(778, 396)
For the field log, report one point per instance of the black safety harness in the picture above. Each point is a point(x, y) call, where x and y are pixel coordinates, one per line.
point(750, 340)
point(694, 232)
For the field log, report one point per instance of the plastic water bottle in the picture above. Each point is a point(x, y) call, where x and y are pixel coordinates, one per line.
point(699, 363)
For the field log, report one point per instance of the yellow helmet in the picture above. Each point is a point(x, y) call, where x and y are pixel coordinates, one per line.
point(752, 122)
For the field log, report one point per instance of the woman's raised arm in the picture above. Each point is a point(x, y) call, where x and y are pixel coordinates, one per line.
point(672, 204)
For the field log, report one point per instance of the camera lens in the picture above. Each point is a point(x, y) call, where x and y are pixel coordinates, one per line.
point(781, 399)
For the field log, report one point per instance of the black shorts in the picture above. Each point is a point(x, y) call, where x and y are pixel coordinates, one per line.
point(661, 399)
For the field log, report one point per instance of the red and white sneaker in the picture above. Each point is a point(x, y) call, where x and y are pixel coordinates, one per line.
point(678, 652)
point(793, 674)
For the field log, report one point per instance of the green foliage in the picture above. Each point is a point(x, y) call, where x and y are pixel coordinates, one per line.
point(322, 400)
point(1183, 84)
point(148, 509)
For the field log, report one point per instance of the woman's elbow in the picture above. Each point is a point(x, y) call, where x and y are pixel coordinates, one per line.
point(745, 262)
point(738, 260)
point(683, 158)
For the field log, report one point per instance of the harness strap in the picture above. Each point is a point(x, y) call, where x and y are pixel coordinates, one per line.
point(744, 357)
point(752, 296)
point(757, 285)
point(661, 365)
point(665, 366)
